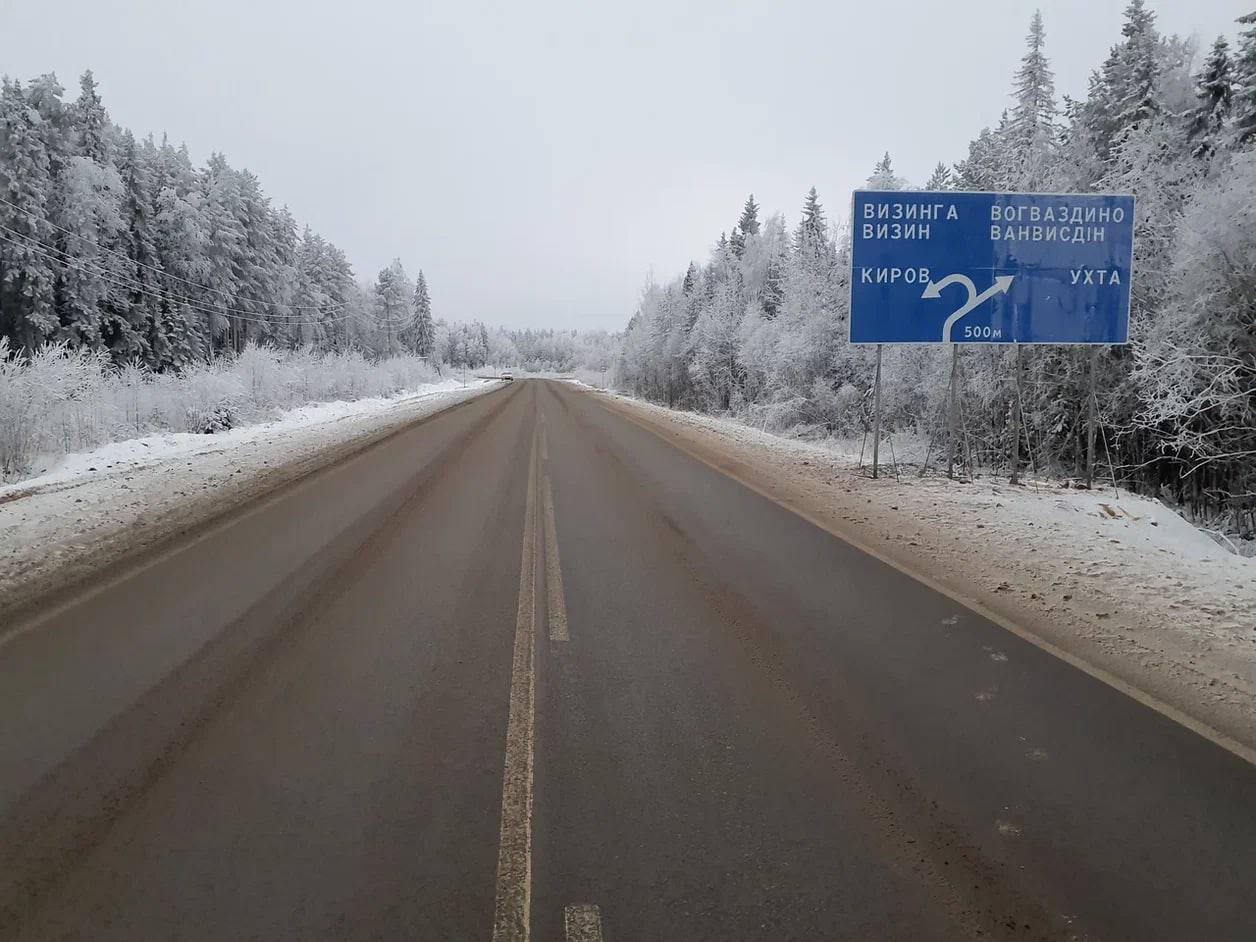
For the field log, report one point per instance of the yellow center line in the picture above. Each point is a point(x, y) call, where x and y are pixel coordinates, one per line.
point(512, 915)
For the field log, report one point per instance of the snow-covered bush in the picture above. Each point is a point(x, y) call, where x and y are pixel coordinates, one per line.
point(60, 400)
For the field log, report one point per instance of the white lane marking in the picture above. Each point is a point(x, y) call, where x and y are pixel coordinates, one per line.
point(555, 597)
point(583, 923)
point(512, 915)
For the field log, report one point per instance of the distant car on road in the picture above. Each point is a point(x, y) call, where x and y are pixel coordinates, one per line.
point(508, 374)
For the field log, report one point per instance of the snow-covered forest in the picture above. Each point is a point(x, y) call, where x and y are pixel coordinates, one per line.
point(139, 293)
point(117, 245)
point(759, 331)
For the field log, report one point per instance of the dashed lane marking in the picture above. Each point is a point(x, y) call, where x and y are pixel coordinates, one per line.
point(555, 597)
point(583, 923)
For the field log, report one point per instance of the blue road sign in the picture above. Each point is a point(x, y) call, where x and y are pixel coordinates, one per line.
point(943, 267)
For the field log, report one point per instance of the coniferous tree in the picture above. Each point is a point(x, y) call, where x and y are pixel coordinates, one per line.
point(1244, 100)
point(392, 305)
point(883, 176)
point(1214, 90)
point(749, 222)
point(424, 328)
point(941, 179)
point(138, 241)
point(27, 311)
point(1031, 131)
point(91, 120)
point(813, 229)
point(1124, 92)
point(984, 169)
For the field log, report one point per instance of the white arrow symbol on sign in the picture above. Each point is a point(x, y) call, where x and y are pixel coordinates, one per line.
point(934, 290)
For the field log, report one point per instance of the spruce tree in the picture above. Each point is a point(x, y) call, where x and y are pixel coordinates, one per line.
point(883, 176)
point(1214, 89)
point(749, 222)
point(1245, 82)
point(91, 120)
point(139, 243)
point(424, 327)
point(691, 279)
point(1031, 128)
point(941, 178)
point(26, 273)
point(1123, 94)
point(813, 221)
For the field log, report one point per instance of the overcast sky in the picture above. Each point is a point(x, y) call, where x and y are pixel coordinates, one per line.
point(538, 159)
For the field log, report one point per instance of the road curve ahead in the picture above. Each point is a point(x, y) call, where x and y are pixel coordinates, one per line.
point(526, 670)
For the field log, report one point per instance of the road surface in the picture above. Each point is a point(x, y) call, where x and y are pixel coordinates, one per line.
point(528, 670)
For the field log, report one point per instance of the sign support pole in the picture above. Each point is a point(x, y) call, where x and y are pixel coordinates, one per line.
point(876, 420)
point(1091, 418)
point(1016, 419)
point(952, 415)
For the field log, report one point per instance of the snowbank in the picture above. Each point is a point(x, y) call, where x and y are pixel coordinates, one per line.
point(1118, 580)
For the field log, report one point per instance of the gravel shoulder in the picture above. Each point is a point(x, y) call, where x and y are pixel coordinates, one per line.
point(1118, 583)
point(109, 509)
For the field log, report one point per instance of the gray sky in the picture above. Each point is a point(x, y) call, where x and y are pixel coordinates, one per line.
point(538, 159)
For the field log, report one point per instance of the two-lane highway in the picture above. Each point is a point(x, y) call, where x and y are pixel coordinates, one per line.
point(526, 669)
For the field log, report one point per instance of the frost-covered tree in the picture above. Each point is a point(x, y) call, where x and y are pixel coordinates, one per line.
point(1197, 365)
point(883, 176)
point(424, 329)
point(985, 167)
point(1214, 91)
point(393, 314)
point(1124, 92)
point(27, 313)
point(92, 121)
point(1245, 82)
point(941, 179)
point(1031, 133)
point(749, 222)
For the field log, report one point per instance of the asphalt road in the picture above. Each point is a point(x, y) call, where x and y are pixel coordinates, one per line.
point(526, 669)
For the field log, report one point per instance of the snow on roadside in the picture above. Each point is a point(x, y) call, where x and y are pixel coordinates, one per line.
point(1120, 580)
point(134, 453)
point(94, 507)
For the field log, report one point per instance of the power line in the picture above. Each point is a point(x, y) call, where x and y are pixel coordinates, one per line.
point(158, 270)
point(229, 313)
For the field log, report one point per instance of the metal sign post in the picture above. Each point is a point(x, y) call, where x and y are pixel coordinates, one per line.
point(1016, 417)
point(876, 416)
point(1020, 268)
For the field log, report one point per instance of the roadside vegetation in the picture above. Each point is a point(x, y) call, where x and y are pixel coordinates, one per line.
point(759, 331)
